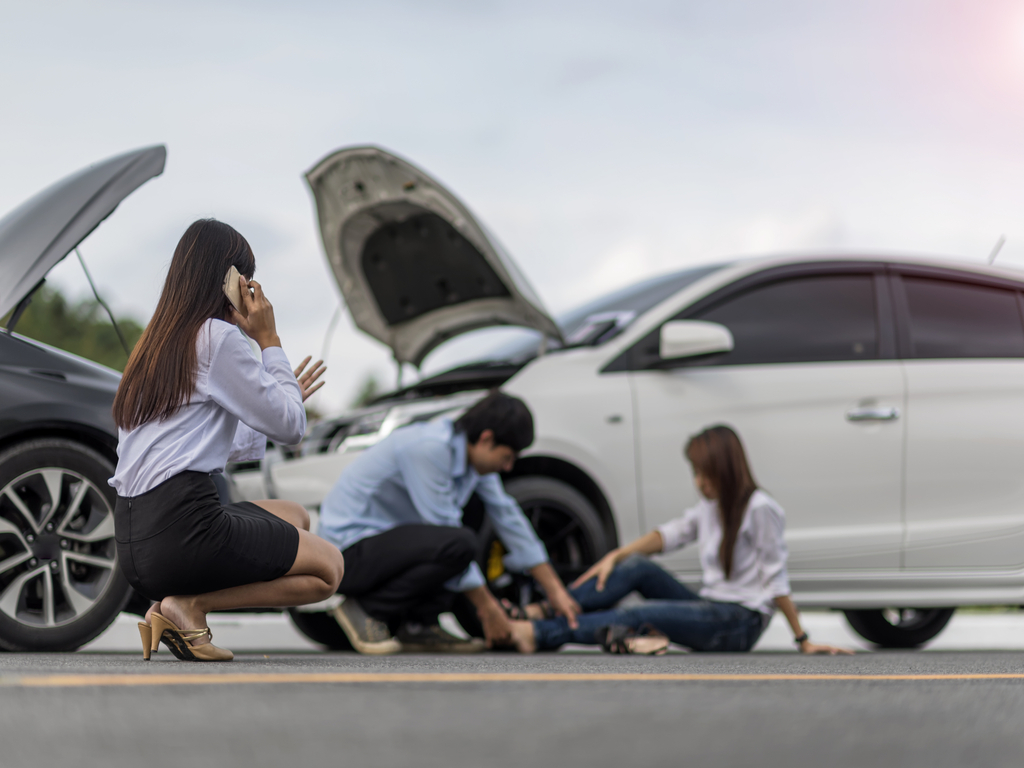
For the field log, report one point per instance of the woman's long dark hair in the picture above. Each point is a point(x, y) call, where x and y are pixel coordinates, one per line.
point(718, 454)
point(161, 371)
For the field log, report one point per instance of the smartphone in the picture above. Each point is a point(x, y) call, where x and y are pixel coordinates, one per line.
point(233, 292)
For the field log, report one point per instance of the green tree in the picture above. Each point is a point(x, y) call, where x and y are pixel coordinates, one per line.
point(369, 389)
point(82, 328)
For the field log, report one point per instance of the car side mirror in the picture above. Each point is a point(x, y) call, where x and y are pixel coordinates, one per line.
point(690, 338)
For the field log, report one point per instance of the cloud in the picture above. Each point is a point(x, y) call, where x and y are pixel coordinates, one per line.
point(602, 142)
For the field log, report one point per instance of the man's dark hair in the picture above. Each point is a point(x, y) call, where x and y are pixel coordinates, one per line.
point(507, 417)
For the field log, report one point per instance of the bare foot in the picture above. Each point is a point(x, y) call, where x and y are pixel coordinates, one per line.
point(149, 614)
point(535, 612)
point(183, 612)
point(522, 636)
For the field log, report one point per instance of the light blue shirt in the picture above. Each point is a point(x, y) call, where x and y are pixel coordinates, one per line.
point(419, 474)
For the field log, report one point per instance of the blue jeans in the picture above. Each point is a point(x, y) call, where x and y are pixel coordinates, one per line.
point(688, 620)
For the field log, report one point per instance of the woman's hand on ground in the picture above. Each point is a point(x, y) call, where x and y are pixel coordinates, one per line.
point(602, 569)
point(563, 604)
point(258, 322)
point(808, 647)
point(308, 380)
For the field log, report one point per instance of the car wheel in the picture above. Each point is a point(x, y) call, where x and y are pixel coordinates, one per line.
point(565, 521)
point(321, 628)
point(899, 627)
point(60, 585)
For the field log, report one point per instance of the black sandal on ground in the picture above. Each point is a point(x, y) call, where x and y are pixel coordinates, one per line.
point(518, 612)
point(645, 641)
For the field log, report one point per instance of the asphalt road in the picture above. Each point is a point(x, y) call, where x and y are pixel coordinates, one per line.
point(274, 708)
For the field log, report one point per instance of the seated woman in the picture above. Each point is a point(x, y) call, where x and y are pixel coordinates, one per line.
point(739, 532)
point(193, 396)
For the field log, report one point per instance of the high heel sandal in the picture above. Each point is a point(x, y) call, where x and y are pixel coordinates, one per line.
point(518, 612)
point(150, 645)
point(645, 641)
point(177, 640)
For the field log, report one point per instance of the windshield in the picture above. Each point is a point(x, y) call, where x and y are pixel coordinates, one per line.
point(596, 322)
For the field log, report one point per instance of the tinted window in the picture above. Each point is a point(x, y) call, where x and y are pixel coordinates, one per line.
point(808, 319)
point(950, 319)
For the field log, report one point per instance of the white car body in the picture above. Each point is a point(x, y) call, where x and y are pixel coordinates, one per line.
point(925, 509)
point(897, 461)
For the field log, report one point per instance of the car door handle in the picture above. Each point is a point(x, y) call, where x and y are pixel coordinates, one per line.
point(873, 413)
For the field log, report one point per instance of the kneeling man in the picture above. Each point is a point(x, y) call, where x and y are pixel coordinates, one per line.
point(396, 514)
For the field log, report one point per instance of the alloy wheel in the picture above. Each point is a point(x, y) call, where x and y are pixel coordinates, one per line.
point(57, 549)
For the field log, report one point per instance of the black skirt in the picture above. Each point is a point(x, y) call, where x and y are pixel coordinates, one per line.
point(178, 539)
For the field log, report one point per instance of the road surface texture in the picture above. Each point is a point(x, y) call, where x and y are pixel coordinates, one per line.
point(284, 706)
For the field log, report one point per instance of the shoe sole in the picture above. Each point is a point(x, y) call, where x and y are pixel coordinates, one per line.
point(385, 648)
point(182, 650)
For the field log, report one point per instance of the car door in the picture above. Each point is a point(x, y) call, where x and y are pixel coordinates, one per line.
point(813, 388)
point(964, 343)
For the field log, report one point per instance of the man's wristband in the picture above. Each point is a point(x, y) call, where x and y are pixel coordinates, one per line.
point(800, 639)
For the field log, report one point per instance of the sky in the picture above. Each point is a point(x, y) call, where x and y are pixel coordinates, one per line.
point(601, 142)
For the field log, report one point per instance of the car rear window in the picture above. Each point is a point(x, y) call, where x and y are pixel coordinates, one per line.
point(955, 320)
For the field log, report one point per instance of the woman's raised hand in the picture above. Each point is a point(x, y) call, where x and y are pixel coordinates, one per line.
point(308, 379)
point(602, 569)
point(258, 322)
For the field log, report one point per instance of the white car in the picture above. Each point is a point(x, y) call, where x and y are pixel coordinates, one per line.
point(881, 400)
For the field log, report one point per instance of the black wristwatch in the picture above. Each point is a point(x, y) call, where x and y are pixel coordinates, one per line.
point(800, 639)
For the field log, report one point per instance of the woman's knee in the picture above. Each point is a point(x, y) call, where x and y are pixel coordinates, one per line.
point(320, 558)
point(336, 567)
point(330, 572)
point(339, 569)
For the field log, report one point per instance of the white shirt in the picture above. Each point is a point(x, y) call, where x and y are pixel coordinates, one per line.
point(237, 403)
point(758, 560)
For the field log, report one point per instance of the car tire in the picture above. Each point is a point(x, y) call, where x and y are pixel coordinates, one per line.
point(321, 628)
point(899, 627)
point(60, 584)
point(565, 520)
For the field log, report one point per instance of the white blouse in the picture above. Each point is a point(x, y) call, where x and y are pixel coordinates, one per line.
point(237, 403)
point(758, 561)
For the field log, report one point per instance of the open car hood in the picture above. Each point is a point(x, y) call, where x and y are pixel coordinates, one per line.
point(36, 235)
point(414, 265)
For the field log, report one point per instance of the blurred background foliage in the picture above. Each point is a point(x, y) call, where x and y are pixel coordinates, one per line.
point(82, 328)
point(369, 389)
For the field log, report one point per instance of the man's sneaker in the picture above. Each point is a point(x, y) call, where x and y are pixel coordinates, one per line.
point(366, 634)
point(420, 638)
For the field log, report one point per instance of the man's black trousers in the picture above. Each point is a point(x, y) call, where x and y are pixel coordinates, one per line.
point(399, 575)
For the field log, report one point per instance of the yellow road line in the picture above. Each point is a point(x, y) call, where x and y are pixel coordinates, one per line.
point(246, 678)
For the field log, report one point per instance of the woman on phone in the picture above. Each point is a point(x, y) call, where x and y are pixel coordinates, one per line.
point(739, 532)
point(193, 397)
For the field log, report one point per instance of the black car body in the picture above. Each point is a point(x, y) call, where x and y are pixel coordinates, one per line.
point(60, 585)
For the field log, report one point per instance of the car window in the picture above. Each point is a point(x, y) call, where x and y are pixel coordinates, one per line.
point(950, 319)
point(807, 319)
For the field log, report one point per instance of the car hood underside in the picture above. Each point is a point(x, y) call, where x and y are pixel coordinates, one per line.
point(38, 234)
point(415, 267)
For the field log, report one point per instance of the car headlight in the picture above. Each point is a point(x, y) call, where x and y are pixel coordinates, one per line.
point(369, 424)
